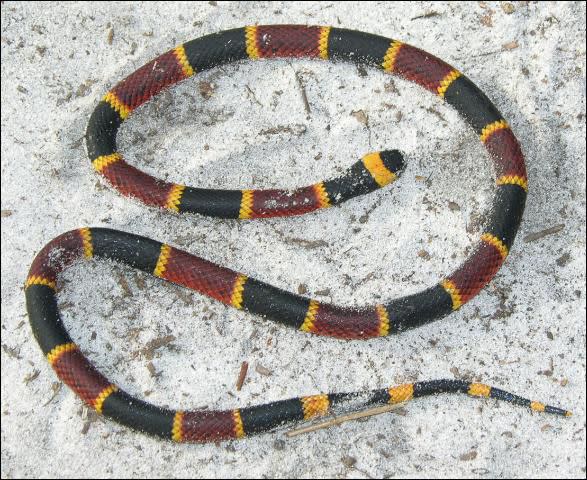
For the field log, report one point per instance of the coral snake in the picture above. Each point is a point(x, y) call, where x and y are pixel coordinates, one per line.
point(373, 171)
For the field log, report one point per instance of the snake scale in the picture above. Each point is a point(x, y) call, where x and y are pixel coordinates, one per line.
point(373, 171)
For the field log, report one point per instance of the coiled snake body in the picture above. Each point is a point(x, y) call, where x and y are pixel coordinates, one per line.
point(373, 171)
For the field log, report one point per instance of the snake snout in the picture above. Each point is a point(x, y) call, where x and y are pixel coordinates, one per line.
point(393, 160)
point(383, 167)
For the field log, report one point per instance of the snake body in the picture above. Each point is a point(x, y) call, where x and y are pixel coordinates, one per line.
point(374, 170)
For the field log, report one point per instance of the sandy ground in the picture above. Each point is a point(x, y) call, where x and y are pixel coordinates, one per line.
point(243, 126)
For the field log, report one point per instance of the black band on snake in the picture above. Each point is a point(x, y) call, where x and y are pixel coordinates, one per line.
point(374, 170)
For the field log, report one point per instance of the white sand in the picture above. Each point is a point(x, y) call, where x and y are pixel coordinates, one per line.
point(525, 332)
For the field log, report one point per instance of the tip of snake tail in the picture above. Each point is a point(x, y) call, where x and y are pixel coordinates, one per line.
point(393, 160)
point(540, 407)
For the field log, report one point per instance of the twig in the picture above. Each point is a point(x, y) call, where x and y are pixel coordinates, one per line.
point(302, 242)
point(56, 389)
point(493, 52)
point(345, 418)
point(485, 54)
point(543, 233)
point(253, 95)
point(427, 15)
point(296, 129)
point(31, 376)
point(242, 375)
point(149, 350)
point(304, 96)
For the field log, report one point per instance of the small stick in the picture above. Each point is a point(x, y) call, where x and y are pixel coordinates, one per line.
point(253, 95)
point(427, 15)
point(543, 233)
point(304, 96)
point(484, 54)
point(56, 389)
point(242, 375)
point(344, 418)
